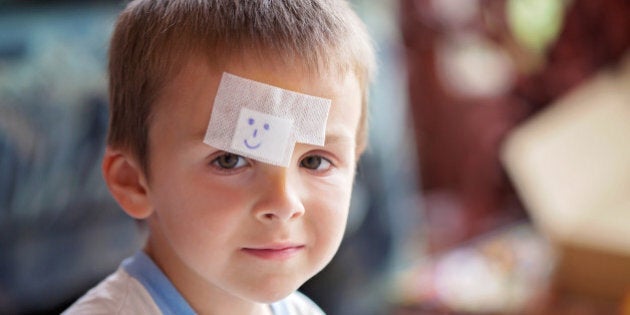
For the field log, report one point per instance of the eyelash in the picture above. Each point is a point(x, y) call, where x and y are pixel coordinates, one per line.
point(322, 160)
point(240, 163)
point(243, 162)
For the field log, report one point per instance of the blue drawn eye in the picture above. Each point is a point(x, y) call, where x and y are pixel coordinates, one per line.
point(251, 121)
point(266, 126)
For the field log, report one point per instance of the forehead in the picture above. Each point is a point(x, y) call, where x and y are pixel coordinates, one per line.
point(185, 103)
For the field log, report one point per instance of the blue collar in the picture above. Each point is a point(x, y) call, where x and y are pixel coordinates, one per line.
point(164, 294)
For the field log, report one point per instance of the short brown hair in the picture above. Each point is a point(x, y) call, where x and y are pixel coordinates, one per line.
point(153, 38)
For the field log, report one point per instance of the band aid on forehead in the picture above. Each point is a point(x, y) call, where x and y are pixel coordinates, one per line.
point(263, 122)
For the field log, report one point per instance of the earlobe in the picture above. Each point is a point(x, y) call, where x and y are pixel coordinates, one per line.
point(127, 183)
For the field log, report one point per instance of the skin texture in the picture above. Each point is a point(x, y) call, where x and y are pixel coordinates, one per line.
point(234, 234)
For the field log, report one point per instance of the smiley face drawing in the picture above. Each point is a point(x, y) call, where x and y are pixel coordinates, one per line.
point(262, 136)
point(254, 141)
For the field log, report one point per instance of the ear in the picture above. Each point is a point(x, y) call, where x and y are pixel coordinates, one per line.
point(127, 183)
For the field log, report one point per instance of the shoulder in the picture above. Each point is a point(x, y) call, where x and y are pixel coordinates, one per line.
point(297, 304)
point(118, 294)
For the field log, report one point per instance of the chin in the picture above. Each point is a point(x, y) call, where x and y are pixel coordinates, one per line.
point(272, 291)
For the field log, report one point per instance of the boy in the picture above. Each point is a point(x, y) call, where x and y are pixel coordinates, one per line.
point(235, 131)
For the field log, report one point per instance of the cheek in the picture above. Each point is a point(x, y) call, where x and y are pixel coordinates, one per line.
point(194, 210)
point(329, 215)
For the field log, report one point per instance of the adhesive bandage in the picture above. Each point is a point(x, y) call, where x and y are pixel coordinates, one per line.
point(263, 122)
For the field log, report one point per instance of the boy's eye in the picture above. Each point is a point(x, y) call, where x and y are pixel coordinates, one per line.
point(229, 161)
point(315, 162)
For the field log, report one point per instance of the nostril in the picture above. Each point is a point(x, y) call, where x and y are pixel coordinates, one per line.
point(269, 216)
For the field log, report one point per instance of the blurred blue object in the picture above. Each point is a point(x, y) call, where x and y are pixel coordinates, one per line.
point(60, 232)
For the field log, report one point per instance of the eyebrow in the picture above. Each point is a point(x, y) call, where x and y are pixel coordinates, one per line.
point(334, 138)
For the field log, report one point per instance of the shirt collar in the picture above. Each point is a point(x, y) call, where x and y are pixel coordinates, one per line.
point(164, 294)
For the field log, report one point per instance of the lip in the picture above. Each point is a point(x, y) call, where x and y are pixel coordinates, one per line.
point(274, 251)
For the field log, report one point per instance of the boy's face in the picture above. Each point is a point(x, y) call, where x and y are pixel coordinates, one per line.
point(230, 227)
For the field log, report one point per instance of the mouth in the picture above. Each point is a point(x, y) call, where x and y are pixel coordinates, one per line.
point(274, 252)
point(249, 146)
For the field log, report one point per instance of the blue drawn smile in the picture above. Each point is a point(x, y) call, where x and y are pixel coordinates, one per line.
point(251, 122)
point(251, 146)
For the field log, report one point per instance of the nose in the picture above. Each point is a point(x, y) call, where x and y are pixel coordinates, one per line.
point(280, 200)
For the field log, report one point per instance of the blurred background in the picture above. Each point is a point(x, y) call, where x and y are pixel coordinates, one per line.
point(497, 179)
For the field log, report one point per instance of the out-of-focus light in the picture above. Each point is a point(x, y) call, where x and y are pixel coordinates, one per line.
point(535, 23)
